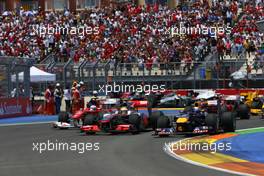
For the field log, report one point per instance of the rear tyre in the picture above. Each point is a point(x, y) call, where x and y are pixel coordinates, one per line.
point(90, 119)
point(154, 118)
point(135, 121)
point(228, 122)
point(63, 117)
point(243, 111)
point(142, 125)
point(212, 122)
point(163, 122)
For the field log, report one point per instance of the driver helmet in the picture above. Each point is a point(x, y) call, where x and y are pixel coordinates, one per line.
point(93, 108)
point(123, 110)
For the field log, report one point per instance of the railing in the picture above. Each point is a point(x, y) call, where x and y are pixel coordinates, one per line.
point(175, 75)
point(48, 59)
point(14, 76)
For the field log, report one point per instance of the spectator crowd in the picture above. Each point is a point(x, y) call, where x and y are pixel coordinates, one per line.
point(135, 34)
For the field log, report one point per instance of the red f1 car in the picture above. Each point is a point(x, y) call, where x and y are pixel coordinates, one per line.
point(66, 121)
point(106, 119)
point(118, 122)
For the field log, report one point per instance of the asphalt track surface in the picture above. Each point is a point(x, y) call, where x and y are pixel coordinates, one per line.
point(119, 155)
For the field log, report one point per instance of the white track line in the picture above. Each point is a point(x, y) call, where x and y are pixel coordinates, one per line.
point(250, 129)
point(167, 149)
point(29, 123)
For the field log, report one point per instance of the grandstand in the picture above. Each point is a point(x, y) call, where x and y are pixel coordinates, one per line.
point(133, 43)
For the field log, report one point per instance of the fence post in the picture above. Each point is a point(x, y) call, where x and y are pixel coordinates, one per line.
point(82, 73)
point(106, 68)
point(65, 72)
point(247, 73)
point(143, 73)
point(217, 82)
point(51, 62)
point(194, 78)
point(9, 79)
point(80, 68)
point(27, 81)
point(94, 73)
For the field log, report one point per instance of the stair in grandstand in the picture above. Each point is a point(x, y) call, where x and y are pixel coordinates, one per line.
point(208, 63)
point(255, 73)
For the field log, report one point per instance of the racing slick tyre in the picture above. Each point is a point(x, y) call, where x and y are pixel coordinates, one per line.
point(212, 121)
point(90, 119)
point(63, 117)
point(243, 111)
point(153, 119)
point(163, 122)
point(228, 122)
point(135, 121)
point(142, 126)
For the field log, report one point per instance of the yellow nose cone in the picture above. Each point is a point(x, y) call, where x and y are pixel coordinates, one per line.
point(182, 120)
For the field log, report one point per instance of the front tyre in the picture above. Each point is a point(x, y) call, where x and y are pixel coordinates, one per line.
point(153, 119)
point(243, 111)
point(228, 121)
point(212, 121)
point(163, 122)
point(63, 117)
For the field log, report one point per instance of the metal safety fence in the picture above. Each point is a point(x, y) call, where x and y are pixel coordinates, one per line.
point(15, 77)
point(211, 73)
